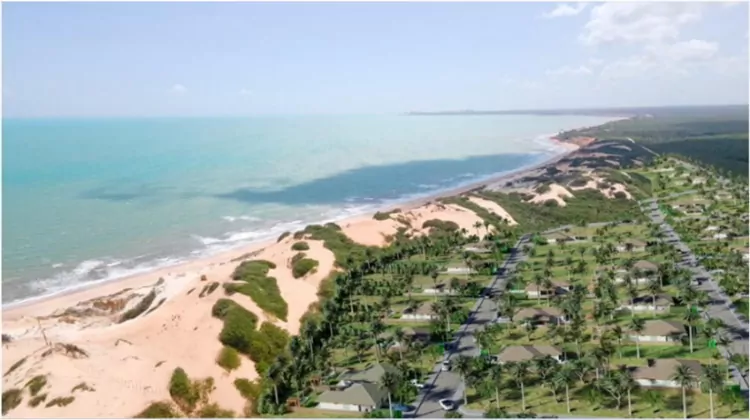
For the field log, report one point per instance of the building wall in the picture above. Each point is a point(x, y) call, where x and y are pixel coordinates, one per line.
point(648, 383)
point(342, 407)
point(650, 338)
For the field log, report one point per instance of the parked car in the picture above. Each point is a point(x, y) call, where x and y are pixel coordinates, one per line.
point(445, 366)
point(417, 384)
point(447, 405)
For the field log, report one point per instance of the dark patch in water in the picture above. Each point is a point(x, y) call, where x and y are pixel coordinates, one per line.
point(384, 181)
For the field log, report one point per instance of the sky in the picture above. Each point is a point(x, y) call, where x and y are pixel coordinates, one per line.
point(207, 59)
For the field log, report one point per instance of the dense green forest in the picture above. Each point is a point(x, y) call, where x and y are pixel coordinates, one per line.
point(716, 136)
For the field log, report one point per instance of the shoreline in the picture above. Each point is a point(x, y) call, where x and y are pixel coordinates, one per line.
point(105, 287)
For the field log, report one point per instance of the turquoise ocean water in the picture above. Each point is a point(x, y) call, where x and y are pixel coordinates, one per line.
point(88, 200)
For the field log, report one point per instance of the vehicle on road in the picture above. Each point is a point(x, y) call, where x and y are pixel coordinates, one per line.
point(445, 366)
point(400, 407)
point(416, 383)
point(447, 404)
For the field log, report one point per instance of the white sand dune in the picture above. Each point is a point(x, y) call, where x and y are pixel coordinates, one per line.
point(593, 184)
point(556, 192)
point(493, 207)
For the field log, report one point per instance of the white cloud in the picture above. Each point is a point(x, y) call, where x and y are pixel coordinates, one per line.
point(595, 62)
point(178, 89)
point(245, 92)
point(569, 71)
point(638, 22)
point(693, 50)
point(527, 84)
point(564, 10)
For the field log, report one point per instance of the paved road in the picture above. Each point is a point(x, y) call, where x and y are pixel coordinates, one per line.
point(449, 385)
point(720, 306)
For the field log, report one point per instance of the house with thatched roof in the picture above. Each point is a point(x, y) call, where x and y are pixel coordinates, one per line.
point(354, 397)
point(541, 316)
point(528, 352)
point(660, 331)
point(648, 303)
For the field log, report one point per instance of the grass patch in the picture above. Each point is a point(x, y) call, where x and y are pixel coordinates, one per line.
point(60, 402)
point(263, 290)
point(213, 411)
point(83, 386)
point(239, 332)
point(282, 236)
point(385, 215)
point(140, 308)
point(11, 399)
point(158, 410)
point(250, 390)
point(300, 246)
point(346, 251)
point(36, 384)
point(228, 359)
point(15, 366)
point(437, 224)
point(208, 289)
point(303, 266)
point(188, 394)
point(34, 402)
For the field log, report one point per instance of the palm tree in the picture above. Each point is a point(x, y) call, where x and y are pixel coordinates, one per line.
point(274, 374)
point(691, 317)
point(465, 366)
point(713, 380)
point(636, 326)
point(519, 371)
point(564, 378)
point(399, 335)
point(389, 382)
point(618, 333)
point(495, 377)
point(684, 376)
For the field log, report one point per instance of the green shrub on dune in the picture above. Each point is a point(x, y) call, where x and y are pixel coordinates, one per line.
point(303, 266)
point(282, 236)
point(11, 399)
point(437, 224)
point(158, 410)
point(255, 283)
point(228, 359)
point(300, 246)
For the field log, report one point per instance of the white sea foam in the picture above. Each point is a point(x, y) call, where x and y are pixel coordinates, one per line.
point(232, 219)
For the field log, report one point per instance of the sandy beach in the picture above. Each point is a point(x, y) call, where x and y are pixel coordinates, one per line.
point(129, 364)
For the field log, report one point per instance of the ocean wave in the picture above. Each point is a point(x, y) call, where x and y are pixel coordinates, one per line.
point(93, 272)
point(232, 219)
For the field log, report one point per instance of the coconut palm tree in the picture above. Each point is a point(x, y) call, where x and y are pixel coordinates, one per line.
point(713, 381)
point(636, 326)
point(690, 318)
point(519, 372)
point(565, 377)
point(390, 382)
point(465, 367)
point(495, 378)
point(685, 377)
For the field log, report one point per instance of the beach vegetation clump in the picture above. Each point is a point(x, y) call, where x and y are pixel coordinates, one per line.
point(83, 386)
point(139, 308)
point(159, 303)
point(441, 225)
point(188, 394)
point(228, 359)
point(11, 399)
point(238, 329)
point(267, 343)
point(300, 246)
point(15, 366)
point(60, 402)
point(299, 235)
point(36, 384)
point(282, 236)
point(34, 402)
point(347, 252)
point(542, 188)
point(7, 339)
point(158, 410)
point(250, 390)
point(208, 289)
point(213, 411)
point(385, 215)
point(263, 290)
point(303, 266)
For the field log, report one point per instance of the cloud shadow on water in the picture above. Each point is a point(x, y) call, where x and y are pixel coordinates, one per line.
point(384, 182)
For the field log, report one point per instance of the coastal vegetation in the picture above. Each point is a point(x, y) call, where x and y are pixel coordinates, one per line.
point(35, 401)
point(228, 359)
point(303, 266)
point(252, 280)
point(12, 398)
point(141, 307)
point(60, 402)
point(283, 236)
point(209, 288)
point(300, 246)
point(158, 410)
point(36, 384)
point(385, 215)
point(716, 137)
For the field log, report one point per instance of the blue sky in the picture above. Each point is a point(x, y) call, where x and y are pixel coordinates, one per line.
point(162, 59)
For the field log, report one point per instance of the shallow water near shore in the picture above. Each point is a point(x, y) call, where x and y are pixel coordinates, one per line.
point(87, 200)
